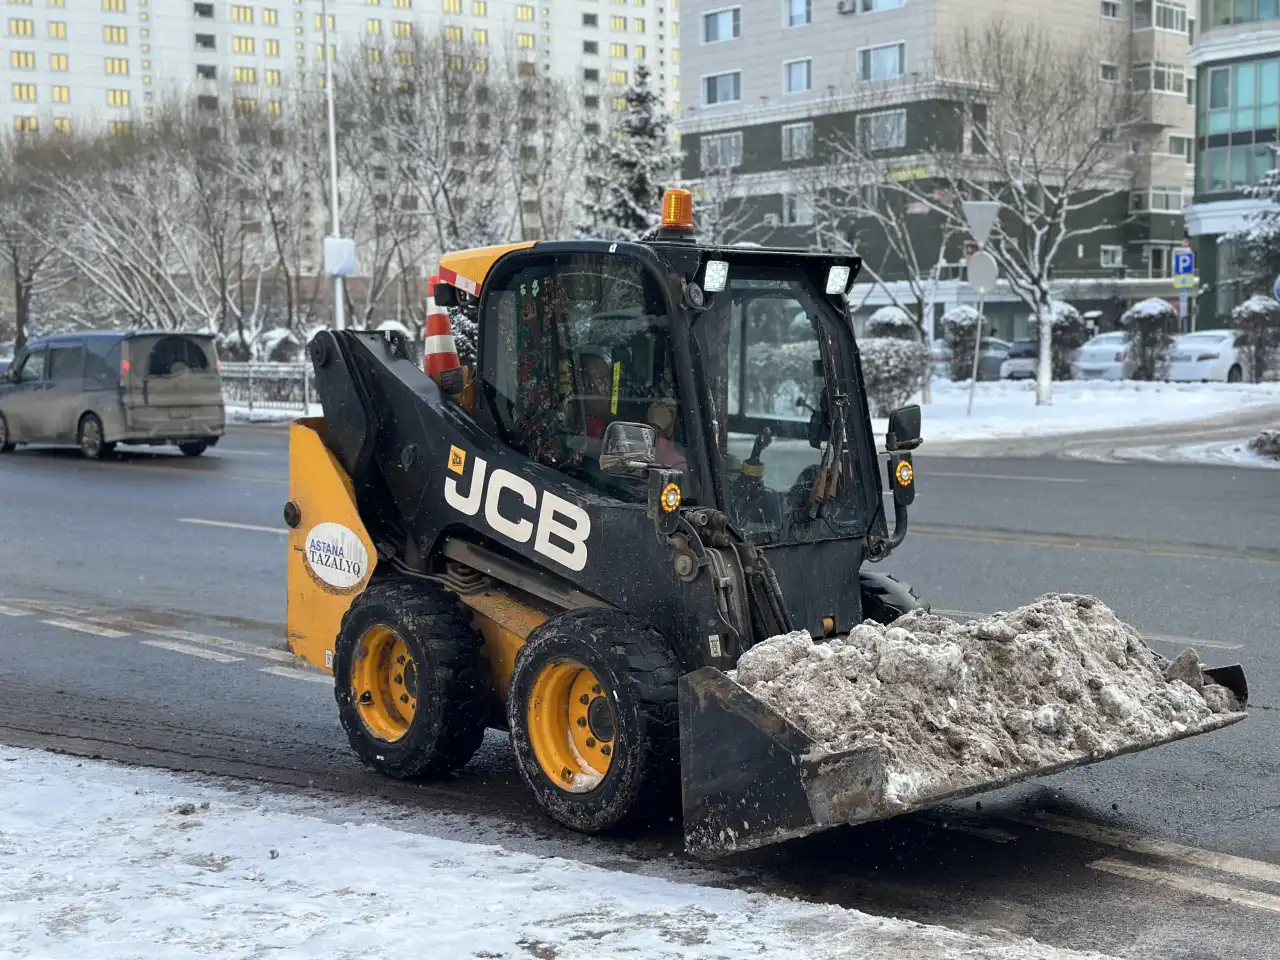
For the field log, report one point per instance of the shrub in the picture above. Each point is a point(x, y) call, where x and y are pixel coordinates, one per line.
point(1258, 318)
point(892, 323)
point(1150, 325)
point(1070, 333)
point(892, 370)
point(1266, 444)
point(959, 328)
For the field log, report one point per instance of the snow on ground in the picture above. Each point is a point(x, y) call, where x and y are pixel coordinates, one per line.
point(239, 414)
point(107, 862)
point(1007, 408)
point(1233, 453)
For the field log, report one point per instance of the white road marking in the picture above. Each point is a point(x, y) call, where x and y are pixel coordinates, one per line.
point(924, 471)
point(95, 629)
point(249, 649)
point(258, 528)
point(994, 834)
point(1122, 840)
point(222, 451)
point(13, 611)
point(295, 674)
point(1162, 638)
point(192, 651)
point(1204, 888)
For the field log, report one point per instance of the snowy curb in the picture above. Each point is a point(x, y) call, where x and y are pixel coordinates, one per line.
point(259, 415)
point(111, 862)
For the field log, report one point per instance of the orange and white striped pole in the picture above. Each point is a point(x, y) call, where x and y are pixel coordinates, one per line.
point(439, 353)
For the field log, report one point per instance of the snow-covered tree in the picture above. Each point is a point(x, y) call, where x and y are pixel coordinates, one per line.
point(1266, 444)
point(893, 323)
point(722, 213)
point(960, 327)
point(1151, 325)
point(1042, 137)
point(1259, 319)
point(639, 161)
point(893, 369)
point(1070, 333)
point(1257, 242)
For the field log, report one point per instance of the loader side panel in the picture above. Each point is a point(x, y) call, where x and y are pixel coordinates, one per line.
point(331, 556)
point(505, 623)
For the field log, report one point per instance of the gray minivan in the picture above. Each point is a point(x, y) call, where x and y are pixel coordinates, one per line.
point(99, 389)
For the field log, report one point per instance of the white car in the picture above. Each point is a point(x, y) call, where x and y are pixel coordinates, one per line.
point(1209, 355)
point(1105, 357)
point(1021, 362)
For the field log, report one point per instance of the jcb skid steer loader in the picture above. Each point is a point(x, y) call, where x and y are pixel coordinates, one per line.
point(662, 456)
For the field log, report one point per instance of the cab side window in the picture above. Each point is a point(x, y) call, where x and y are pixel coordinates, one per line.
point(573, 343)
point(32, 368)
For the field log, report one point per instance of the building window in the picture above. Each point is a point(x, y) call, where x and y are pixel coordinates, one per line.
point(58, 62)
point(273, 107)
point(333, 22)
point(886, 130)
point(118, 66)
point(24, 92)
point(1181, 146)
point(241, 14)
point(590, 20)
point(61, 94)
point(454, 34)
point(722, 25)
point(637, 24)
point(26, 124)
point(1162, 16)
point(798, 12)
point(402, 28)
point(722, 88)
point(62, 125)
point(452, 6)
point(618, 78)
point(1111, 257)
point(480, 37)
point(115, 35)
point(797, 210)
point(273, 78)
point(246, 105)
point(640, 51)
point(1111, 9)
point(591, 75)
point(617, 49)
point(206, 71)
point(242, 44)
point(618, 23)
point(271, 48)
point(57, 30)
point(246, 75)
point(113, 6)
point(373, 27)
point(590, 47)
point(22, 59)
point(120, 128)
point(797, 141)
point(882, 63)
point(117, 98)
point(875, 6)
point(524, 41)
point(1224, 12)
point(524, 12)
point(21, 28)
point(796, 76)
point(270, 17)
point(619, 104)
point(479, 8)
point(721, 151)
point(404, 4)
point(1109, 72)
point(1158, 200)
point(1160, 77)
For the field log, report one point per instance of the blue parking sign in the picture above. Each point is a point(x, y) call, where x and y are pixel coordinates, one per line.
point(1184, 263)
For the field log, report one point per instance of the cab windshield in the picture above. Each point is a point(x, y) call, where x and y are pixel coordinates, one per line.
point(770, 346)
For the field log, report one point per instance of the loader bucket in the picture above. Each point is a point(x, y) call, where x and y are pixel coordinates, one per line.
point(747, 779)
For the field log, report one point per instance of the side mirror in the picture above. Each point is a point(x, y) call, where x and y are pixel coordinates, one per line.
point(904, 429)
point(445, 295)
point(628, 449)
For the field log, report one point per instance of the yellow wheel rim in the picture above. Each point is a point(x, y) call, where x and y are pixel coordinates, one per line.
point(384, 683)
point(571, 725)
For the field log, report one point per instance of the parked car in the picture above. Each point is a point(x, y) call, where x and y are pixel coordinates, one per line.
point(1021, 361)
point(991, 355)
point(942, 359)
point(1105, 357)
point(1209, 355)
point(4, 365)
point(95, 390)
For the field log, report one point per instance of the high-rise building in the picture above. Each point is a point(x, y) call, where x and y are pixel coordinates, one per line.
point(95, 61)
point(768, 80)
point(1237, 63)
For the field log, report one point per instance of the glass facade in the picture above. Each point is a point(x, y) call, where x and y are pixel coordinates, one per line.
point(1221, 13)
point(1237, 123)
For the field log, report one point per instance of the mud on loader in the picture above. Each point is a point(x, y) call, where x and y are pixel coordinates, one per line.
point(574, 538)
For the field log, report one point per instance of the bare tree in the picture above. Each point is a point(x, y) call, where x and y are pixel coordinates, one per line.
point(722, 211)
point(1042, 134)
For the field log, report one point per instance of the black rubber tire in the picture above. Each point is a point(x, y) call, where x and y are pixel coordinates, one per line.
point(885, 598)
point(1235, 374)
point(637, 665)
point(98, 450)
point(193, 448)
point(455, 697)
point(6, 445)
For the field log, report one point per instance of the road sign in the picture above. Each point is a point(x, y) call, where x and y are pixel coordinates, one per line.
point(1184, 263)
point(1185, 282)
point(983, 272)
point(1183, 301)
point(981, 215)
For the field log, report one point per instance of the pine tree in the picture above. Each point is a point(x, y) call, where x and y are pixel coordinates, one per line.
point(637, 162)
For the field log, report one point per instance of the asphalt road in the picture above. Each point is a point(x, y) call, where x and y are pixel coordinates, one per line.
point(141, 619)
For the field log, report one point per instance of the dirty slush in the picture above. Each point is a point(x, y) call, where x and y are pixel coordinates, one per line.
point(951, 704)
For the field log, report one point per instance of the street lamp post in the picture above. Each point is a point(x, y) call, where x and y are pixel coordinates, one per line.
point(339, 290)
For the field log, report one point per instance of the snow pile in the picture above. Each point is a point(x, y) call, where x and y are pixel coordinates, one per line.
point(1266, 444)
point(954, 705)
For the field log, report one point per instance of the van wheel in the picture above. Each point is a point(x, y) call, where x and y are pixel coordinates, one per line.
point(5, 443)
point(89, 437)
point(1235, 374)
point(193, 448)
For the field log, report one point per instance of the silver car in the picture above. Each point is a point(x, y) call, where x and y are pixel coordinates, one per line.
point(96, 390)
point(1105, 357)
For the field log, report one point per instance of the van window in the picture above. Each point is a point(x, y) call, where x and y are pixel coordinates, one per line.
point(102, 361)
point(176, 354)
point(32, 368)
point(66, 363)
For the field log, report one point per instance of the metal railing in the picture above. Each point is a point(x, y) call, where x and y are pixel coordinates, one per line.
point(268, 386)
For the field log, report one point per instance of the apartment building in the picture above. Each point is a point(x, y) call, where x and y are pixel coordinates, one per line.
point(767, 81)
point(1237, 61)
point(96, 61)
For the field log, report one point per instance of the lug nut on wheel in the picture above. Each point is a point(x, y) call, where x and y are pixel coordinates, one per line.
point(606, 750)
point(582, 721)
